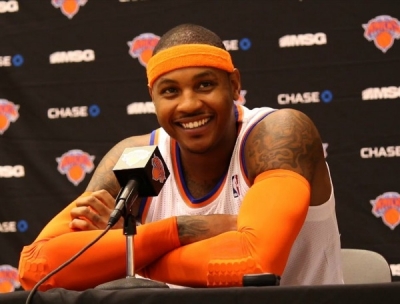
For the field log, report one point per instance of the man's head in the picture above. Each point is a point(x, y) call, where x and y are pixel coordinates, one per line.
point(193, 83)
point(187, 45)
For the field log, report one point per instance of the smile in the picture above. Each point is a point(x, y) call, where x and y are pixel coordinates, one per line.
point(195, 124)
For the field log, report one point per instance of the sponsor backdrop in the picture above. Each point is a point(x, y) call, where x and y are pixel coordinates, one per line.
point(72, 84)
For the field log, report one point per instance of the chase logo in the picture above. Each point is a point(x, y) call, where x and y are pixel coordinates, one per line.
point(382, 30)
point(8, 61)
point(73, 112)
point(69, 7)
point(325, 96)
point(75, 164)
point(142, 46)
point(387, 206)
point(8, 279)
point(9, 6)
point(243, 44)
point(20, 226)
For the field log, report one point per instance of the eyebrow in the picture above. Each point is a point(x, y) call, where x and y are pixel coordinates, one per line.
point(165, 80)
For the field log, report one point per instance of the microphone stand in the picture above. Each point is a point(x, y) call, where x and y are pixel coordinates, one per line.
point(130, 281)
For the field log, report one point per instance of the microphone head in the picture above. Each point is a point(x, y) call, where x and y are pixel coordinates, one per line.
point(145, 165)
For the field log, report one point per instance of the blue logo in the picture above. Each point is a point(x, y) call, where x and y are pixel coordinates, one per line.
point(17, 60)
point(245, 44)
point(326, 96)
point(94, 110)
point(22, 226)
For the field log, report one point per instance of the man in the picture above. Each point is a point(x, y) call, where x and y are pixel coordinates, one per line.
point(249, 190)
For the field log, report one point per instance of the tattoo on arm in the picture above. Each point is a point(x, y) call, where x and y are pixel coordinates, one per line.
point(190, 229)
point(286, 140)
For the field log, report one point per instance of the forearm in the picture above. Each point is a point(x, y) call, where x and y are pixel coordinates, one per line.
point(268, 224)
point(192, 229)
point(104, 261)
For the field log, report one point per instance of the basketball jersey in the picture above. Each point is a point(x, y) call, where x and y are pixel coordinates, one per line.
point(315, 256)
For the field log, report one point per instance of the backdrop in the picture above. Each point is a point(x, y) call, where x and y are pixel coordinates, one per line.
point(72, 84)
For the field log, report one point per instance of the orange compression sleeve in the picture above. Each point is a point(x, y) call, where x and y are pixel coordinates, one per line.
point(103, 262)
point(269, 220)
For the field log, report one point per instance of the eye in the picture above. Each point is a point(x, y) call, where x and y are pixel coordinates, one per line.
point(206, 85)
point(168, 91)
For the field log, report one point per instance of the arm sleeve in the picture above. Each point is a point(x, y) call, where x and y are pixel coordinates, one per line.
point(269, 220)
point(103, 262)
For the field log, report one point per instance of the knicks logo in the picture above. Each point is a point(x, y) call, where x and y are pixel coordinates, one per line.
point(382, 30)
point(142, 46)
point(242, 99)
point(69, 7)
point(8, 113)
point(387, 206)
point(158, 171)
point(8, 279)
point(75, 164)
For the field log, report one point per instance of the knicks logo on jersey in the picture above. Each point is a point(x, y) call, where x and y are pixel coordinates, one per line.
point(382, 30)
point(8, 279)
point(8, 113)
point(142, 46)
point(387, 206)
point(158, 172)
point(69, 7)
point(75, 164)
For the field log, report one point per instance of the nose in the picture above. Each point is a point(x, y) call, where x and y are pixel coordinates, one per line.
point(189, 102)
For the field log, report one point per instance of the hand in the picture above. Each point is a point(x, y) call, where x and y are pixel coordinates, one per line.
point(93, 211)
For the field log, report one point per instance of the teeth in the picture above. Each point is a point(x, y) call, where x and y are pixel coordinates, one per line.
point(195, 124)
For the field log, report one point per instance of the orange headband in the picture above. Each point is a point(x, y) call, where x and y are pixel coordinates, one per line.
point(187, 55)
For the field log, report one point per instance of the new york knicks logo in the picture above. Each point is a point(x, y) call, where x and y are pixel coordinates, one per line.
point(75, 164)
point(382, 30)
point(8, 113)
point(387, 206)
point(158, 172)
point(8, 279)
point(142, 46)
point(69, 7)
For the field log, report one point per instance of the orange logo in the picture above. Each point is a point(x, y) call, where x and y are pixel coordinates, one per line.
point(69, 7)
point(158, 171)
point(75, 164)
point(8, 279)
point(387, 206)
point(8, 113)
point(142, 46)
point(382, 30)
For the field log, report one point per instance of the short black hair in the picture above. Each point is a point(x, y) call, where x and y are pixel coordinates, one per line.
point(188, 33)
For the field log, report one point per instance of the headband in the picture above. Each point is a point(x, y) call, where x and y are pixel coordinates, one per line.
point(187, 55)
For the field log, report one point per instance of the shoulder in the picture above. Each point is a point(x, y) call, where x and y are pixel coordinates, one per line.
point(103, 177)
point(285, 139)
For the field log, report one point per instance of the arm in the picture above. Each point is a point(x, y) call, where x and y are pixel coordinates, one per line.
point(283, 153)
point(84, 219)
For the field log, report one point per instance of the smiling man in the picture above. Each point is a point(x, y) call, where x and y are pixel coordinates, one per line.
point(249, 191)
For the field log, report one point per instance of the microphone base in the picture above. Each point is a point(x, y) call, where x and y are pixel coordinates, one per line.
point(131, 283)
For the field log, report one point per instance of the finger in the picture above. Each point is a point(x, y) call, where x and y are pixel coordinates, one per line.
point(86, 213)
point(82, 225)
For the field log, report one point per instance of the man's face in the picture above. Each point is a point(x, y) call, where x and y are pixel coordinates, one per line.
point(195, 106)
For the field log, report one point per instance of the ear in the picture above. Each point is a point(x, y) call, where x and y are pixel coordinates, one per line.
point(150, 92)
point(236, 84)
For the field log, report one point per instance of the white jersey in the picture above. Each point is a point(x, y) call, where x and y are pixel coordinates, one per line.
point(315, 255)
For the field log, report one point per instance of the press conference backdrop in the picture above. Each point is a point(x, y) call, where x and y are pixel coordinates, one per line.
point(72, 84)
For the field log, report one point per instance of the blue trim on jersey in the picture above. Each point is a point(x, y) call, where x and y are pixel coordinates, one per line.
point(152, 137)
point(181, 177)
point(242, 158)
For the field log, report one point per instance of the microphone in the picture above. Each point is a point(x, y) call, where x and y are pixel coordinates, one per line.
point(140, 171)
